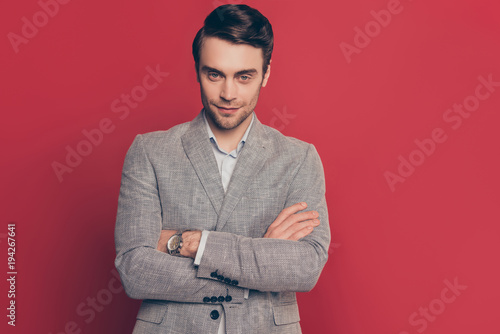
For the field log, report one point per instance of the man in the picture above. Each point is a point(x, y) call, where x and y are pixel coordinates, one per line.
point(222, 219)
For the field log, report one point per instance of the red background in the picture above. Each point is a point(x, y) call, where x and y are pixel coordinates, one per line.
point(392, 250)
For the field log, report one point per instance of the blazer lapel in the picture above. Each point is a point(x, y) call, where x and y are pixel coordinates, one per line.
point(250, 162)
point(199, 152)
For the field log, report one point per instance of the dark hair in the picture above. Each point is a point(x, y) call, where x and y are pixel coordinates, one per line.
point(237, 24)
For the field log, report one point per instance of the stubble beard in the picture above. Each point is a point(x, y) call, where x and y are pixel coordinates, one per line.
point(228, 121)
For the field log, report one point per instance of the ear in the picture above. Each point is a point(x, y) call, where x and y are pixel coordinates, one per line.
point(266, 76)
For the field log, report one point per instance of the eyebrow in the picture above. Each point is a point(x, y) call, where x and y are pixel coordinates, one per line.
point(205, 68)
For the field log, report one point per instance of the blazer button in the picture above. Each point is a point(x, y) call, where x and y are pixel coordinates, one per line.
point(227, 280)
point(213, 299)
point(214, 314)
point(234, 282)
point(220, 278)
point(229, 298)
point(206, 299)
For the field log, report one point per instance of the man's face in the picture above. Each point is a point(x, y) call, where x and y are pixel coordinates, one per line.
point(230, 77)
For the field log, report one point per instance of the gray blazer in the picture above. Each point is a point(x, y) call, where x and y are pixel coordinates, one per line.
point(170, 180)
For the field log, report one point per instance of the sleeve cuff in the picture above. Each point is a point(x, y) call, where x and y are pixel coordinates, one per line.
point(201, 247)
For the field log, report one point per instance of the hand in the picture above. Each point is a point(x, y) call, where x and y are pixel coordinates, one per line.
point(190, 242)
point(290, 225)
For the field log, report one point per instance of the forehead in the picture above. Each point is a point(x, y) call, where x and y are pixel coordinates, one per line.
point(228, 57)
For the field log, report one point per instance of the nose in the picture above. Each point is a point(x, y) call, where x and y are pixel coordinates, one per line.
point(229, 90)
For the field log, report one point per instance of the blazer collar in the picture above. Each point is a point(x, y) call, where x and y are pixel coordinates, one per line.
point(250, 161)
point(198, 149)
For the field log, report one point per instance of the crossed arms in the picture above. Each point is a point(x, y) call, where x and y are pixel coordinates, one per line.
point(289, 225)
point(289, 257)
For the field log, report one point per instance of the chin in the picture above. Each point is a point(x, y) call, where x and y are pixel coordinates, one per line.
point(229, 122)
point(225, 124)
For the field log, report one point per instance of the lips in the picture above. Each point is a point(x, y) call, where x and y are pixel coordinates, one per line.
point(227, 110)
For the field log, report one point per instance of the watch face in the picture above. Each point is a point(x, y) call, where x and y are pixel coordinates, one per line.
point(174, 242)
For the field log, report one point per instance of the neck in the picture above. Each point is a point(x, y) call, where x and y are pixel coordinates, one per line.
point(228, 140)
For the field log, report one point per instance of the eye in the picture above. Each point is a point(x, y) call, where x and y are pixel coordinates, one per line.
point(245, 77)
point(213, 75)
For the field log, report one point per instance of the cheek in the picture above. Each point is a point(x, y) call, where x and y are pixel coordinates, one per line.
point(249, 94)
point(210, 91)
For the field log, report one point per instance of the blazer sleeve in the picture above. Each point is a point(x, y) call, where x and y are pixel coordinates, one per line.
point(274, 264)
point(147, 273)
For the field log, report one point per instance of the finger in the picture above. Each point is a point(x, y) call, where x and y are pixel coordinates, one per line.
point(296, 218)
point(286, 212)
point(299, 226)
point(303, 232)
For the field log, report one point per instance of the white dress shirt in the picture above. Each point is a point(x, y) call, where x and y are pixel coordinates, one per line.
point(225, 162)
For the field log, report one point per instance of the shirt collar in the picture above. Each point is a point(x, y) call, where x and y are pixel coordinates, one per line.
point(211, 135)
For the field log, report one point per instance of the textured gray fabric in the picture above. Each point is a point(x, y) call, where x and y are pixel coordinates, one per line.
point(170, 180)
